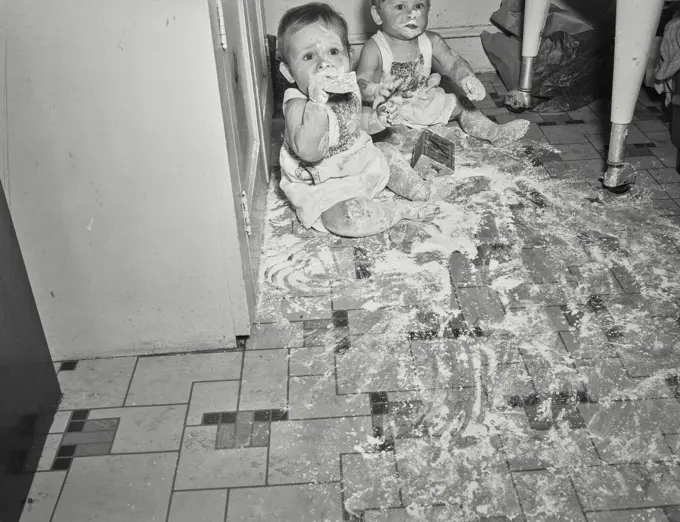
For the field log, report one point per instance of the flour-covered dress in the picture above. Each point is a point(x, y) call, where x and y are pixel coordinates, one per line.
point(434, 107)
point(353, 167)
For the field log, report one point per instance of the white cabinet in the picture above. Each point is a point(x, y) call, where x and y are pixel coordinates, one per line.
point(132, 138)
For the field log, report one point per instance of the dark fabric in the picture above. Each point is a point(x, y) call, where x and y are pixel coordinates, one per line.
point(573, 66)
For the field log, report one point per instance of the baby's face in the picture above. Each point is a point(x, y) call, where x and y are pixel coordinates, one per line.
point(313, 49)
point(403, 19)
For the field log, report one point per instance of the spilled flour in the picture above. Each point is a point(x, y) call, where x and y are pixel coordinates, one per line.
point(508, 333)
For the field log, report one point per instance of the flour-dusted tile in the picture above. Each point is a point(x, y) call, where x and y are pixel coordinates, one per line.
point(667, 175)
point(481, 306)
point(309, 450)
point(593, 168)
point(606, 379)
point(632, 431)
point(301, 503)
point(649, 185)
point(146, 428)
point(265, 380)
point(432, 478)
point(304, 308)
point(425, 513)
point(168, 379)
point(370, 481)
point(535, 449)
point(627, 486)
point(43, 495)
point(201, 466)
point(117, 488)
point(588, 343)
point(315, 396)
point(666, 207)
point(668, 154)
point(508, 384)
point(552, 376)
point(373, 321)
point(210, 397)
point(98, 383)
point(442, 363)
point(548, 495)
point(283, 334)
point(631, 515)
point(376, 363)
point(672, 190)
point(198, 506)
point(315, 360)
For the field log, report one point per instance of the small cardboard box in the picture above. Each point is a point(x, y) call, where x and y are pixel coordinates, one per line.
point(340, 83)
point(434, 155)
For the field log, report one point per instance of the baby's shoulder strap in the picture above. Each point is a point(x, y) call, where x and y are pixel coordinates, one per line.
point(426, 50)
point(385, 52)
point(292, 94)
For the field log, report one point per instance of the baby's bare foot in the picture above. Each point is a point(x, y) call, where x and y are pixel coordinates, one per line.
point(509, 132)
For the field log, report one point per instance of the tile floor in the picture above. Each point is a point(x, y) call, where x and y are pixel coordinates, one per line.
point(514, 358)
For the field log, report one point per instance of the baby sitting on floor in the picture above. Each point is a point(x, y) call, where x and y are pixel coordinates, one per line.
point(395, 66)
point(331, 170)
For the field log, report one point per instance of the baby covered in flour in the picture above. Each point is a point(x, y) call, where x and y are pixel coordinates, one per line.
point(331, 171)
point(396, 65)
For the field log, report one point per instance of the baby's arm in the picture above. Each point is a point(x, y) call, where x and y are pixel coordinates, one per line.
point(307, 128)
point(369, 73)
point(447, 62)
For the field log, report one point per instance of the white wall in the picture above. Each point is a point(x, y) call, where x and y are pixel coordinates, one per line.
point(459, 21)
point(117, 174)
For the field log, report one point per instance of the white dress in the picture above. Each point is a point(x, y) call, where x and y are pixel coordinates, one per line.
point(353, 167)
point(418, 111)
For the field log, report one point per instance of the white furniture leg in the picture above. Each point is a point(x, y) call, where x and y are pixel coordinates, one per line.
point(636, 23)
point(535, 14)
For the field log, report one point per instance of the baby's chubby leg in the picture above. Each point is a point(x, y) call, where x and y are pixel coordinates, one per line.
point(476, 124)
point(362, 217)
point(404, 181)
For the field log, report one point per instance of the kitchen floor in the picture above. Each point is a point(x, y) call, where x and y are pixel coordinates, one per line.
point(513, 357)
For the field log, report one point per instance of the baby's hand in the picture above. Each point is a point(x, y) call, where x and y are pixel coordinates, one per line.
point(389, 113)
point(385, 89)
point(473, 88)
point(433, 80)
point(316, 90)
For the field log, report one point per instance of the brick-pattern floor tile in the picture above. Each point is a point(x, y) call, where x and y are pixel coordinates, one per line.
point(548, 495)
point(531, 449)
point(627, 486)
point(632, 431)
point(632, 515)
point(370, 481)
point(419, 468)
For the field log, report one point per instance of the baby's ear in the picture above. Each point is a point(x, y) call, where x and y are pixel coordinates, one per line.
point(376, 15)
point(286, 72)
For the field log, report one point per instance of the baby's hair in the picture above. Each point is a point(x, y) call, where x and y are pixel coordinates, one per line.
point(298, 17)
